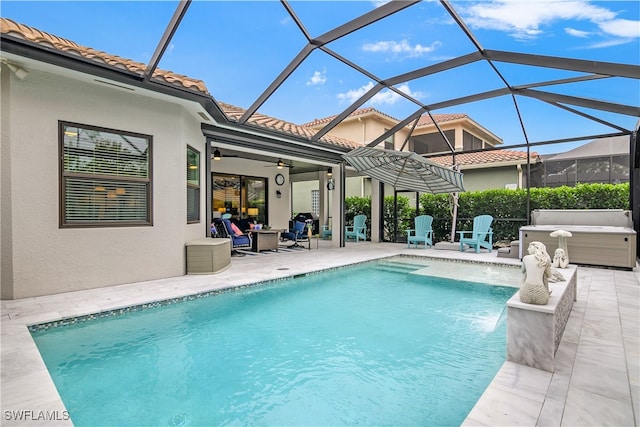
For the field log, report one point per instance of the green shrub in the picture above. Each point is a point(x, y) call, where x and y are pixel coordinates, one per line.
point(508, 207)
point(405, 216)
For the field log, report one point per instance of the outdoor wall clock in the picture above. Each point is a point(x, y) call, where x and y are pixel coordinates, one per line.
point(279, 179)
point(331, 185)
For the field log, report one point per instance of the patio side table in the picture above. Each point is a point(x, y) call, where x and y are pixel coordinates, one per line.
point(264, 240)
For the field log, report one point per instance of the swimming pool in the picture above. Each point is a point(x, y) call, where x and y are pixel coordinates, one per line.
point(379, 343)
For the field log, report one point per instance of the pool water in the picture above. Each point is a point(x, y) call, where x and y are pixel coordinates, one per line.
point(372, 344)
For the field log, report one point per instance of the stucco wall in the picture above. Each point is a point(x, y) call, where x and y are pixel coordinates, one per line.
point(302, 191)
point(46, 259)
point(485, 179)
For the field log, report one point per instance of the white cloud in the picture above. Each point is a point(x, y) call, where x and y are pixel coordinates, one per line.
point(386, 96)
point(526, 19)
point(353, 95)
point(608, 43)
point(390, 97)
point(621, 28)
point(577, 33)
point(402, 48)
point(318, 78)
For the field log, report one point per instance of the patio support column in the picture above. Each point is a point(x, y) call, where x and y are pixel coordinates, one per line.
point(634, 184)
point(6, 191)
point(323, 203)
point(376, 211)
point(337, 206)
point(208, 191)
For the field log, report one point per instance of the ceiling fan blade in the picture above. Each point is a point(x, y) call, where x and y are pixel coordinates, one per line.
point(281, 167)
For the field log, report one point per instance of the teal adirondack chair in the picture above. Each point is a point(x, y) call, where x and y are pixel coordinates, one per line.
point(481, 235)
point(358, 230)
point(422, 233)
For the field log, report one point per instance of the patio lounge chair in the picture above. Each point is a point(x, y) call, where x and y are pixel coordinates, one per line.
point(358, 230)
point(481, 235)
point(422, 233)
point(299, 233)
point(224, 229)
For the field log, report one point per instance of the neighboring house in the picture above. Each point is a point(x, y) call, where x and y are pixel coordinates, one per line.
point(601, 161)
point(367, 124)
point(492, 169)
point(482, 170)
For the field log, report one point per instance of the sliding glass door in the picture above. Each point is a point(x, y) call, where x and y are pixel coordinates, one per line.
point(241, 196)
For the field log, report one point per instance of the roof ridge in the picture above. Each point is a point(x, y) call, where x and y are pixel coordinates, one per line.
point(266, 121)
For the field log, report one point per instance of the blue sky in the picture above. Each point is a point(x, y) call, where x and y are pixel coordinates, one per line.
point(239, 47)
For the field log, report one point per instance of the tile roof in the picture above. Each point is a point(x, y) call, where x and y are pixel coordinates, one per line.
point(259, 119)
point(358, 112)
point(49, 41)
point(424, 120)
point(486, 157)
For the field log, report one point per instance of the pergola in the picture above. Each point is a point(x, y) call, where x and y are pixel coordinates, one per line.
point(574, 86)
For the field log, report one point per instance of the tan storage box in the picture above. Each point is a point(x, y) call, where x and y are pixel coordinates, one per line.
point(207, 256)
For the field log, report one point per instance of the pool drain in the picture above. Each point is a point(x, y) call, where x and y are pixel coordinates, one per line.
point(282, 268)
point(180, 419)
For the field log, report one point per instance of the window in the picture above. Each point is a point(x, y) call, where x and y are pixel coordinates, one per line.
point(432, 142)
point(315, 201)
point(389, 142)
point(193, 185)
point(105, 177)
point(470, 142)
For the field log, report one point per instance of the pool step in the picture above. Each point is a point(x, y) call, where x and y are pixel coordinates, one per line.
point(398, 267)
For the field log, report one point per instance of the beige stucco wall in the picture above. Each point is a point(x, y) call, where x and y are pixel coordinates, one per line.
point(365, 130)
point(42, 258)
point(301, 201)
point(355, 186)
point(493, 178)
